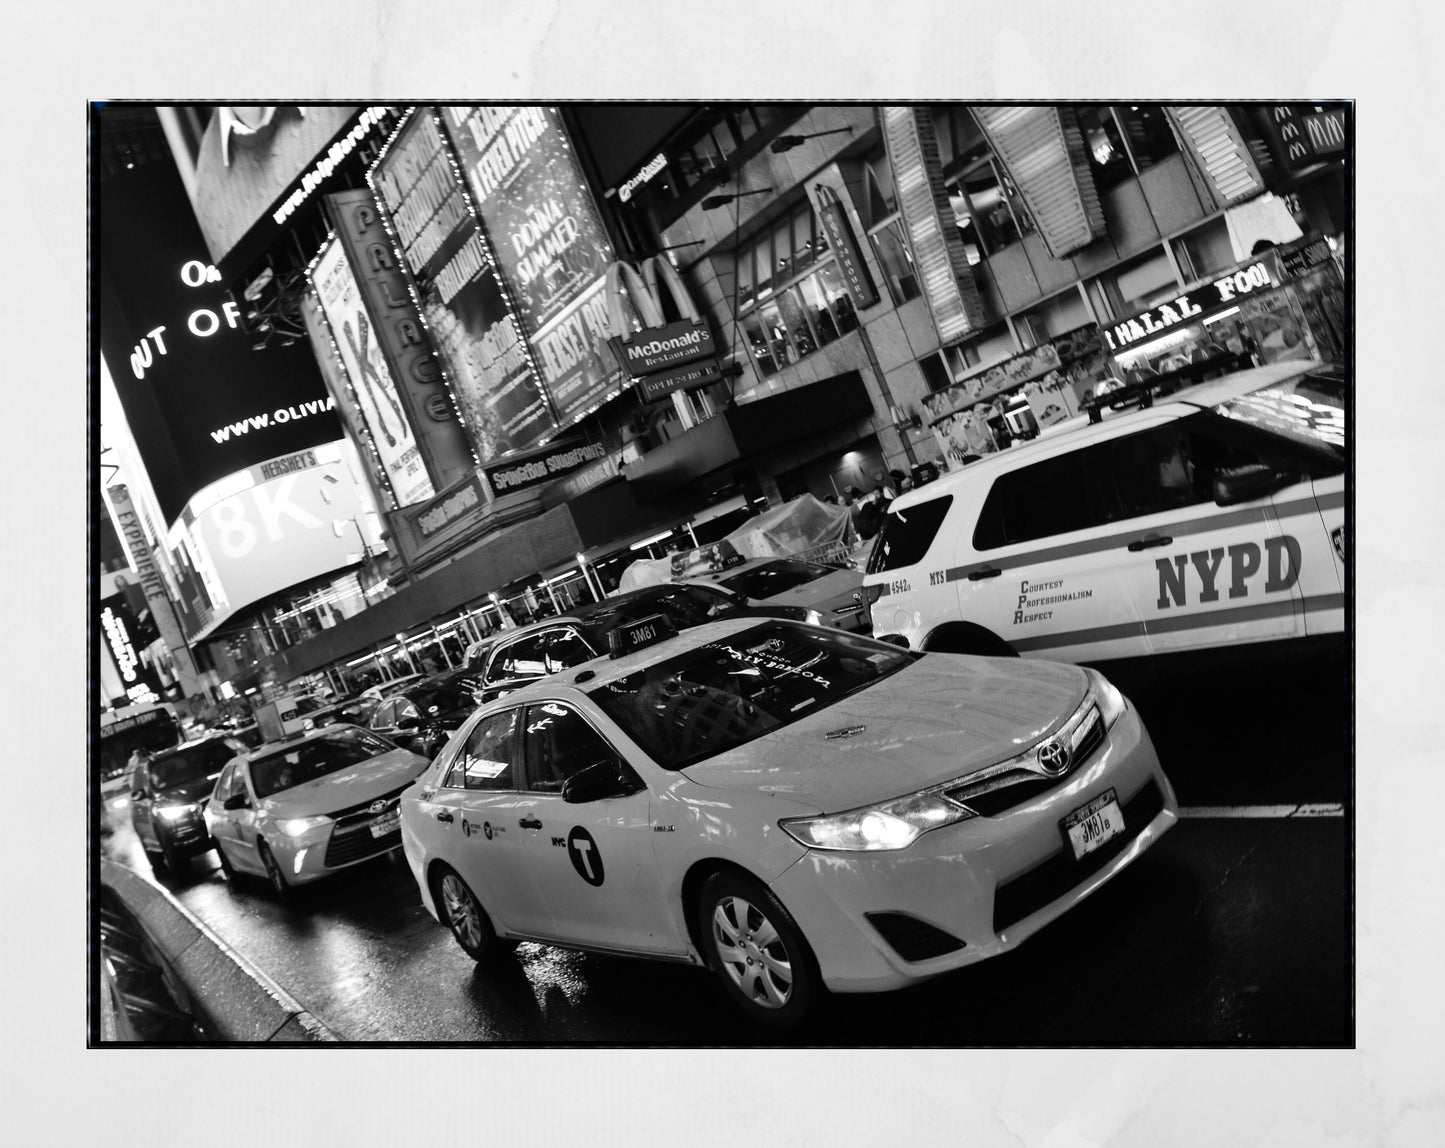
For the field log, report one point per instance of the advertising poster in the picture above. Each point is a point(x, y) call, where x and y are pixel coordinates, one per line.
point(549, 242)
point(299, 520)
point(361, 352)
point(499, 397)
point(204, 396)
point(120, 628)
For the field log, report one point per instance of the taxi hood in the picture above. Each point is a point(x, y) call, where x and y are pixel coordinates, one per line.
point(939, 718)
point(364, 781)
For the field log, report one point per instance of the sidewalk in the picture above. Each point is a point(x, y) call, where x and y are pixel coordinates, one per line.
point(232, 999)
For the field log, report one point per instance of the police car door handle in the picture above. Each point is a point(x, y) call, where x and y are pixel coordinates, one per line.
point(445, 815)
point(1148, 542)
point(985, 572)
point(530, 823)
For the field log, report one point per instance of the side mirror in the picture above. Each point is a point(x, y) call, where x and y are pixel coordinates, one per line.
point(1245, 483)
point(593, 782)
point(411, 721)
point(236, 801)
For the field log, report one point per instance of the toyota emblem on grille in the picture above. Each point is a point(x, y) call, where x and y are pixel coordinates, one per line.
point(376, 807)
point(1053, 758)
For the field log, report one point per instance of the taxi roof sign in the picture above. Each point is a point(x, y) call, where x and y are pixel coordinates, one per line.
point(636, 635)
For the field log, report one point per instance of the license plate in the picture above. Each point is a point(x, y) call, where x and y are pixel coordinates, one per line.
point(384, 825)
point(1089, 827)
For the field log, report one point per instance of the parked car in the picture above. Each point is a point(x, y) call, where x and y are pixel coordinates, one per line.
point(423, 715)
point(835, 593)
point(168, 791)
point(297, 810)
point(795, 807)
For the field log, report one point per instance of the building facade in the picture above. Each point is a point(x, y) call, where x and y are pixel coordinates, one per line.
point(557, 339)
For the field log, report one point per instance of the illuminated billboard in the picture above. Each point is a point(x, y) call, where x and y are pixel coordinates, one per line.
point(550, 245)
point(200, 401)
point(126, 643)
point(259, 163)
point(371, 378)
point(487, 358)
point(287, 521)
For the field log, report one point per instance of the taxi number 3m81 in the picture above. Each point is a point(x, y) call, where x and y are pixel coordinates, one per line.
point(1089, 827)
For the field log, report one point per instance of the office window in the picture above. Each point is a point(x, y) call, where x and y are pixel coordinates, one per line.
point(1104, 144)
point(791, 297)
point(1147, 133)
point(886, 232)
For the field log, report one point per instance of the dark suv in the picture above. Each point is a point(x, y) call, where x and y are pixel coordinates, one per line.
point(423, 715)
point(167, 793)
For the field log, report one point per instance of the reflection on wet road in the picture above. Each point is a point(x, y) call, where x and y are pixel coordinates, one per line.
point(1230, 931)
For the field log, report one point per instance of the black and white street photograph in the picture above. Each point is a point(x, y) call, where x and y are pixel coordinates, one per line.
point(868, 567)
point(739, 573)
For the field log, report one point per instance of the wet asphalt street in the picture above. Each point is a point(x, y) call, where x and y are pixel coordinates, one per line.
point(1234, 930)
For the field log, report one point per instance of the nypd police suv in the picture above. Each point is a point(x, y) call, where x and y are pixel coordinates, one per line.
point(1213, 517)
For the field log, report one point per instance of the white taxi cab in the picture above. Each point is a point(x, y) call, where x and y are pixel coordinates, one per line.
point(794, 807)
point(1213, 517)
point(296, 810)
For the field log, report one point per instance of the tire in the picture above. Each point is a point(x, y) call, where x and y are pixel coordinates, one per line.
point(757, 950)
point(178, 864)
point(228, 871)
point(274, 875)
point(157, 862)
point(972, 640)
point(463, 914)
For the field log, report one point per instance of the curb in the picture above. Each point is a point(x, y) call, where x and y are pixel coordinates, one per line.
point(240, 1002)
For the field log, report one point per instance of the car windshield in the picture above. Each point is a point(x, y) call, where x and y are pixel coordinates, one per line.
point(200, 762)
point(719, 695)
point(1309, 409)
point(315, 757)
point(452, 692)
point(773, 577)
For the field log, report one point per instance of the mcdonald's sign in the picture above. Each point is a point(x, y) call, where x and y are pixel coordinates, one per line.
point(659, 345)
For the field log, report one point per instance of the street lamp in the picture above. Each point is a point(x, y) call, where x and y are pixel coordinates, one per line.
point(788, 143)
point(715, 201)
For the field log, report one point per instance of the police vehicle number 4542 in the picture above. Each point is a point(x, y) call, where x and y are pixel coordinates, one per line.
point(1213, 517)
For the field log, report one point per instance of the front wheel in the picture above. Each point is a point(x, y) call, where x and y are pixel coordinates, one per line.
point(178, 864)
point(757, 950)
point(227, 871)
point(279, 885)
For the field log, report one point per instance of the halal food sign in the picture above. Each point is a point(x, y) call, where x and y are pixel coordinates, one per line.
point(1222, 292)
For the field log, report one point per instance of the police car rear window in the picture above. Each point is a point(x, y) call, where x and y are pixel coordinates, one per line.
point(717, 696)
point(907, 534)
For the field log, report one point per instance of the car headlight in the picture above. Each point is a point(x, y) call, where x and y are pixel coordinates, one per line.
point(295, 826)
point(175, 812)
point(1111, 701)
point(894, 824)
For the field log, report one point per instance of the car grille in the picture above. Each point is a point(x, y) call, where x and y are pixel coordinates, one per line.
point(351, 838)
point(912, 939)
point(991, 796)
point(1042, 885)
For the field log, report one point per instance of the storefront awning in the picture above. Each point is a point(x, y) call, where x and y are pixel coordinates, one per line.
point(746, 431)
